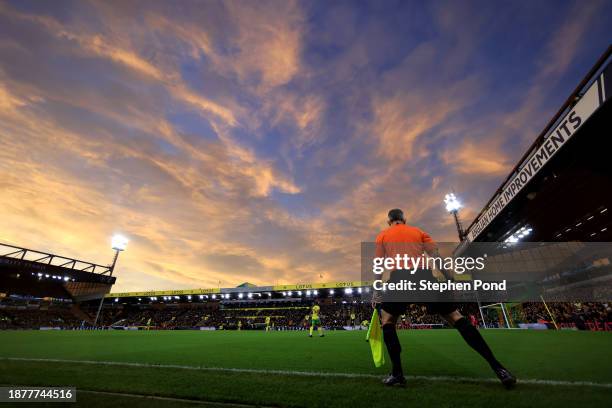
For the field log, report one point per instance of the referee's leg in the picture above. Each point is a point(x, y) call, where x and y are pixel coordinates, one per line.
point(389, 316)
point(475, 340)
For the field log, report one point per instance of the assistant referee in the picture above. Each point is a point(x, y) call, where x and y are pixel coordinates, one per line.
point(402, 237)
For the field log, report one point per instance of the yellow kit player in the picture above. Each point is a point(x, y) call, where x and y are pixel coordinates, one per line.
point(315, 321)
point(267, 323)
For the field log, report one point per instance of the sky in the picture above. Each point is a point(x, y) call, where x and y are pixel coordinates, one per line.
point(263, 141)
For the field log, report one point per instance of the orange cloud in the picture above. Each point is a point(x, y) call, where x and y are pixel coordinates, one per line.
point(478, 159)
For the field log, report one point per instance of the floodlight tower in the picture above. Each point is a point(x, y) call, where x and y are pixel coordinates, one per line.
point(453, 206)
point(118, 243)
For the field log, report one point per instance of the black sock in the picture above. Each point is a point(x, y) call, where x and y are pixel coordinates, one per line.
point(394, 348)
point(472, 337)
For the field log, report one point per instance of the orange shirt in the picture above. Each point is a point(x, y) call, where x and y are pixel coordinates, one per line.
point(402, 239)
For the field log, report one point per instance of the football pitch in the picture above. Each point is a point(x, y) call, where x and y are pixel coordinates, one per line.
point(255, 368)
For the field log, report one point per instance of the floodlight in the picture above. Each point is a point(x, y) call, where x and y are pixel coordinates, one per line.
point(331, 291)
point(240, 295)
point(452, 203)
point(119, 242)
point(308, 293)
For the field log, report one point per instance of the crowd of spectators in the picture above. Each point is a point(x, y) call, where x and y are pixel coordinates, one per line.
point(38, 318)
point(577, 314)
point(334, 315)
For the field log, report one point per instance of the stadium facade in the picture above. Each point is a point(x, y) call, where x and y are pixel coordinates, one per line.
point(35, 274)
point(560, 188)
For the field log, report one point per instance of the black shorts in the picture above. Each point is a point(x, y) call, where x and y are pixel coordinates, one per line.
point(399, 308)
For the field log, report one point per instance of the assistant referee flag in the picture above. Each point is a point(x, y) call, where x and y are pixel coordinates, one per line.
point(375, 338)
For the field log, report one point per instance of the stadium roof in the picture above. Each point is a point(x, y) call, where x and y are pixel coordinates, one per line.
point(562, 181)
point(28, 272)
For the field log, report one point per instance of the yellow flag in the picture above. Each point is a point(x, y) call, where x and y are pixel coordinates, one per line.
point(375, 338)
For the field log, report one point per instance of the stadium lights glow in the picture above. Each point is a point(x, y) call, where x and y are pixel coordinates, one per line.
point(359, 290)
point(331, 291)
point(116, 299)
point(240, 295)
point(119, 242)
point(348, 291)
point(289, 293)
point(519, 235)
point(188, 297)
point(315, 292)
point(177, 297)
point(214, 296)
point(66, 278)
point(308, 293)
point(269, 294)
point(250, 296)
point(299, 293)
point(452, 203)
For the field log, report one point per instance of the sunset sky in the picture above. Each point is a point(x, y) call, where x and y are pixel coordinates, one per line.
point(262, 141)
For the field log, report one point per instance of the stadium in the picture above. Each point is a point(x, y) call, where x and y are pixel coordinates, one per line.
point(63, 325)
point(215, 339)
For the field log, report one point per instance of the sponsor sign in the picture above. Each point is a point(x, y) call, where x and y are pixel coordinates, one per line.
point(553, 142)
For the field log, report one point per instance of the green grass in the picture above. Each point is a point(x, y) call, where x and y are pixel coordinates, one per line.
point(545, 355)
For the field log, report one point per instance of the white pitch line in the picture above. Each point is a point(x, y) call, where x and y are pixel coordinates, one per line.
point(169, 399)
point(531, 381)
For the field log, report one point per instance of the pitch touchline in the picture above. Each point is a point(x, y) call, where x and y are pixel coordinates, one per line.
point(169, 399)
point(532, 381)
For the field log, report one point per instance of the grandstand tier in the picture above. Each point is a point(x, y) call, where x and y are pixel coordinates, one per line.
point(559, 188)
